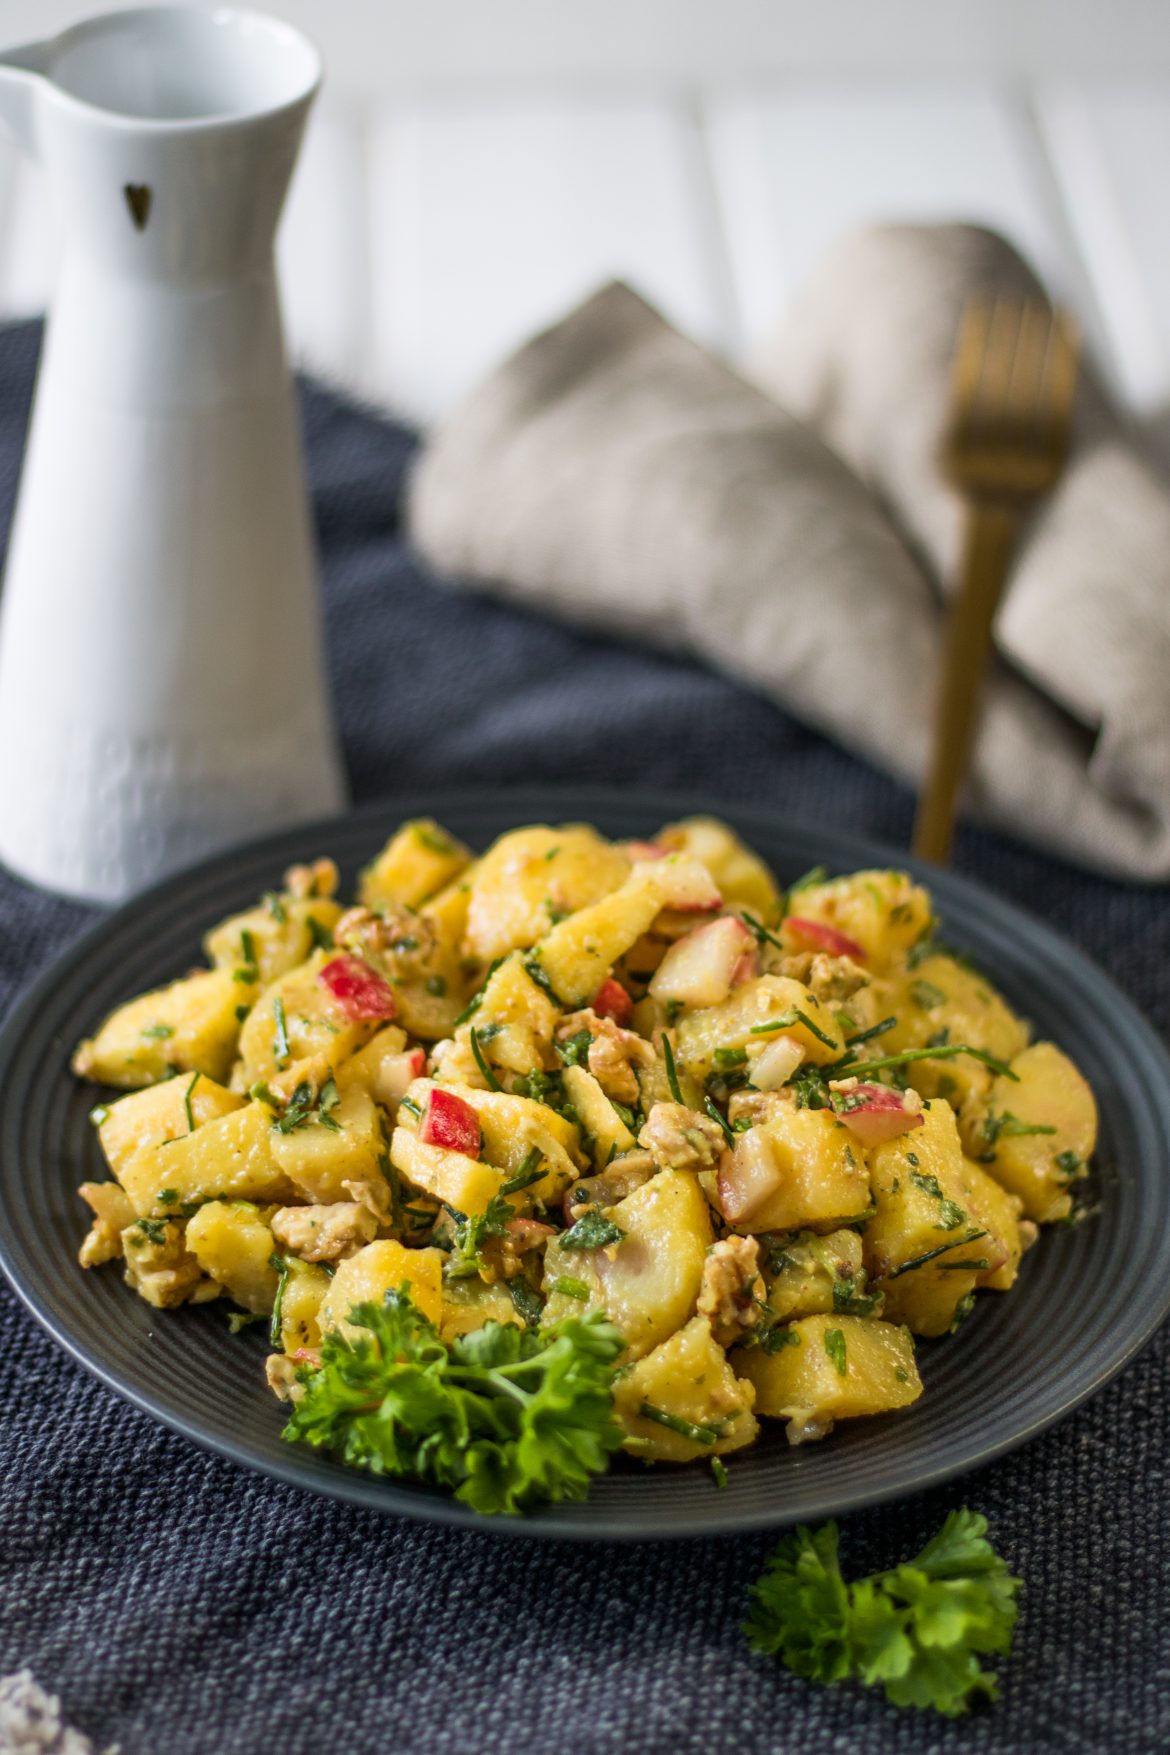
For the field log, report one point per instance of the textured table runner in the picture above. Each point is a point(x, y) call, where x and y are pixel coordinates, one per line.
point(185, 1607)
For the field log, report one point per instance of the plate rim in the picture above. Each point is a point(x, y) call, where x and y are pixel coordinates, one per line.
point(381, 1493)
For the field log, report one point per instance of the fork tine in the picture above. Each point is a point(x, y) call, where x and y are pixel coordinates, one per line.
point(970, 345)
point(1033, 339)
point(1058, 386)
point(991, 395)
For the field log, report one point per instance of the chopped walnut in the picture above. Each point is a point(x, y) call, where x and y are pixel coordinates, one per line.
point(832, 980)
point(281, 1372)
point(503, 1256)
point(318, 879)
point(324, 1233)
point(397, 939)
point(612, 1184)
point(112, 1213)
point(678, 1138)
point(159, 1266)
point(756, 1106)
point(314, 1070)
point(613, 1053)
point(732, 1292)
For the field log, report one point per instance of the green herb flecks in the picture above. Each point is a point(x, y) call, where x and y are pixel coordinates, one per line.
point(718, 1472)
point(671, 1072)
point(866, 1068)
point(283, 1266)
point(525, 1301)
point(592, 1231)
point(951, 1214)
point(195, 1077)
point(574, 1050)
point(275, 906)
point(158, 1032)
point(488, 1076)
point(835, 1348)
point(918, 1261)
point(697, 1434)
point(787, 1019)
point(529, 1170)
point(571, 1288)
point(717, 1115)
point(927, 995)
point(282, 1053)
point(239, 1320)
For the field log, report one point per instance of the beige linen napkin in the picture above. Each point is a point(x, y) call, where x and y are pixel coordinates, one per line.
point(613, 473)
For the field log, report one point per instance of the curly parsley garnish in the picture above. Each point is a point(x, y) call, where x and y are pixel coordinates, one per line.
point(918, 1630)
point(505, 1416)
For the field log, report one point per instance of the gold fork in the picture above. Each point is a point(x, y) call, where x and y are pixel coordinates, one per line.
point(1012, 396)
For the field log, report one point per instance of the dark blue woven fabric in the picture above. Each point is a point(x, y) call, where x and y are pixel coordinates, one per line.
point(187, 1608)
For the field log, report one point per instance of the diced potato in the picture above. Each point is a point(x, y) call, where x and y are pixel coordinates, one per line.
point(804, 1383)
point(1039, 1166)
point(998, 1211)
point(273, 937)
point(416, 862)
point(314, 1024)
point(689, 1380)
point(885, 912)
point(922, 1245)
point(229, 1159)
point(319, 1161)
point(649, 1282)
point(112, 1215)
point(459, 1182)
point(531, 878)
point(381, 1267)
point(809, 1275)
point(305, 1286)
point(232, 1243)
point(577, 955)
point(376, 1066)
point(514, 1021)
point(511, 1126)
point(607, 1133)
point(744, 880)
point(159, 1113)
point(429, 1010)
point(736, 1023)
point(190, 1026)
point(447, 913)
point(941, 995)
point(823, 1183)
point(468, 1304)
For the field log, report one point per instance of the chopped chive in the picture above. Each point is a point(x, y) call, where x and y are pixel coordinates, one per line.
point(99, 1115)
point(684, 1428)
point(835, 1348)
point(247, 948)
point(238, 1320)
point(280, 1047)
point(785, 1022)
point(862, 1069)
point(436, 986)
point(320, 935)
point(468, 1011)
point(921, 1260)
point(493, 1083)
point(671, 1074)
point(760, 932)
point(187, 1102)
point(868, 1035)
point(716, 1115)
point(242, 1012)
point(718, 1472)
point(572, 1288)
point(980, 1263)
point(158, 1032)
point(283, 1267)
point(725, 1057)
point(927, 995)
point(409, 1103)
point(276, 907)
point(529, 1172)
point(539, 979)
point(525, 1301)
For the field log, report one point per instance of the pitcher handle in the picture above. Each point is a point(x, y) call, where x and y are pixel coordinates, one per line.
point(21, 79)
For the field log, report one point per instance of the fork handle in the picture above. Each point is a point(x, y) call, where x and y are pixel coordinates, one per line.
point(989, 540)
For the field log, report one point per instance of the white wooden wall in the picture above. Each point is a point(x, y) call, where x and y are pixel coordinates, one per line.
point(476, 165)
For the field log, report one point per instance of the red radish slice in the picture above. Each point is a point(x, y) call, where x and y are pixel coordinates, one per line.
point(451, 1123)
point(699, 969)
point(397, 1073)
point(875, 1113)
point(772, 1068)
point(814, 935)
point(747, 968)
point(361, 993)
point(612, 1001)
point(748, 1176)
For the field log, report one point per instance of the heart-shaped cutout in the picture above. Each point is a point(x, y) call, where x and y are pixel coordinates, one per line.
point(138, 197)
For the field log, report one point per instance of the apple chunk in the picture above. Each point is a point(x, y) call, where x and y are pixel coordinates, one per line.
point(700, 968)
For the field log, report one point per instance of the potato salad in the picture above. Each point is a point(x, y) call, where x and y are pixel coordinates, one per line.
point(578, 1145)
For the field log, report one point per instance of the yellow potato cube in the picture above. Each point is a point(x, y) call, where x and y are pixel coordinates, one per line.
point(697, 1406)
point(746, 1017)
point(743, 879)
point(998, 1211)
point(228, 1159)
point(381, 1267)
point(273, 937)
point(838, 1368)
point(305, 1286)
point(922, 1245)
point(459, 1182)
point(647, 1283)
point(942, 998)
point(577, 955)
point(605, 1130)
point(514, 1021)
point(376, 1067)
point(511, 1126)
point(416, 862)
point(532, 877)
point(313, 1024)
point(319, 1161)
point(824, 1182)
point(468, 1304)
point(808, 1275)
point(1039, 1167)
point(884, 912)
point(159, 1113)
point(233, 1245)
point(190, 1026)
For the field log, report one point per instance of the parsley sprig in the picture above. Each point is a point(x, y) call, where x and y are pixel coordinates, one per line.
point(918, 1630)
point(505, 1416)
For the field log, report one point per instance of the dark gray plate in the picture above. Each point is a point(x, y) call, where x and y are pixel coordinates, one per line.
point(1088, 1295)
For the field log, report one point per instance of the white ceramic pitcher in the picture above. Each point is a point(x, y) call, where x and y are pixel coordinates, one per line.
point(162, 684)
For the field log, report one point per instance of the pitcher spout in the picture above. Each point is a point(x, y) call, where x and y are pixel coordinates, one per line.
point(22, 79)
